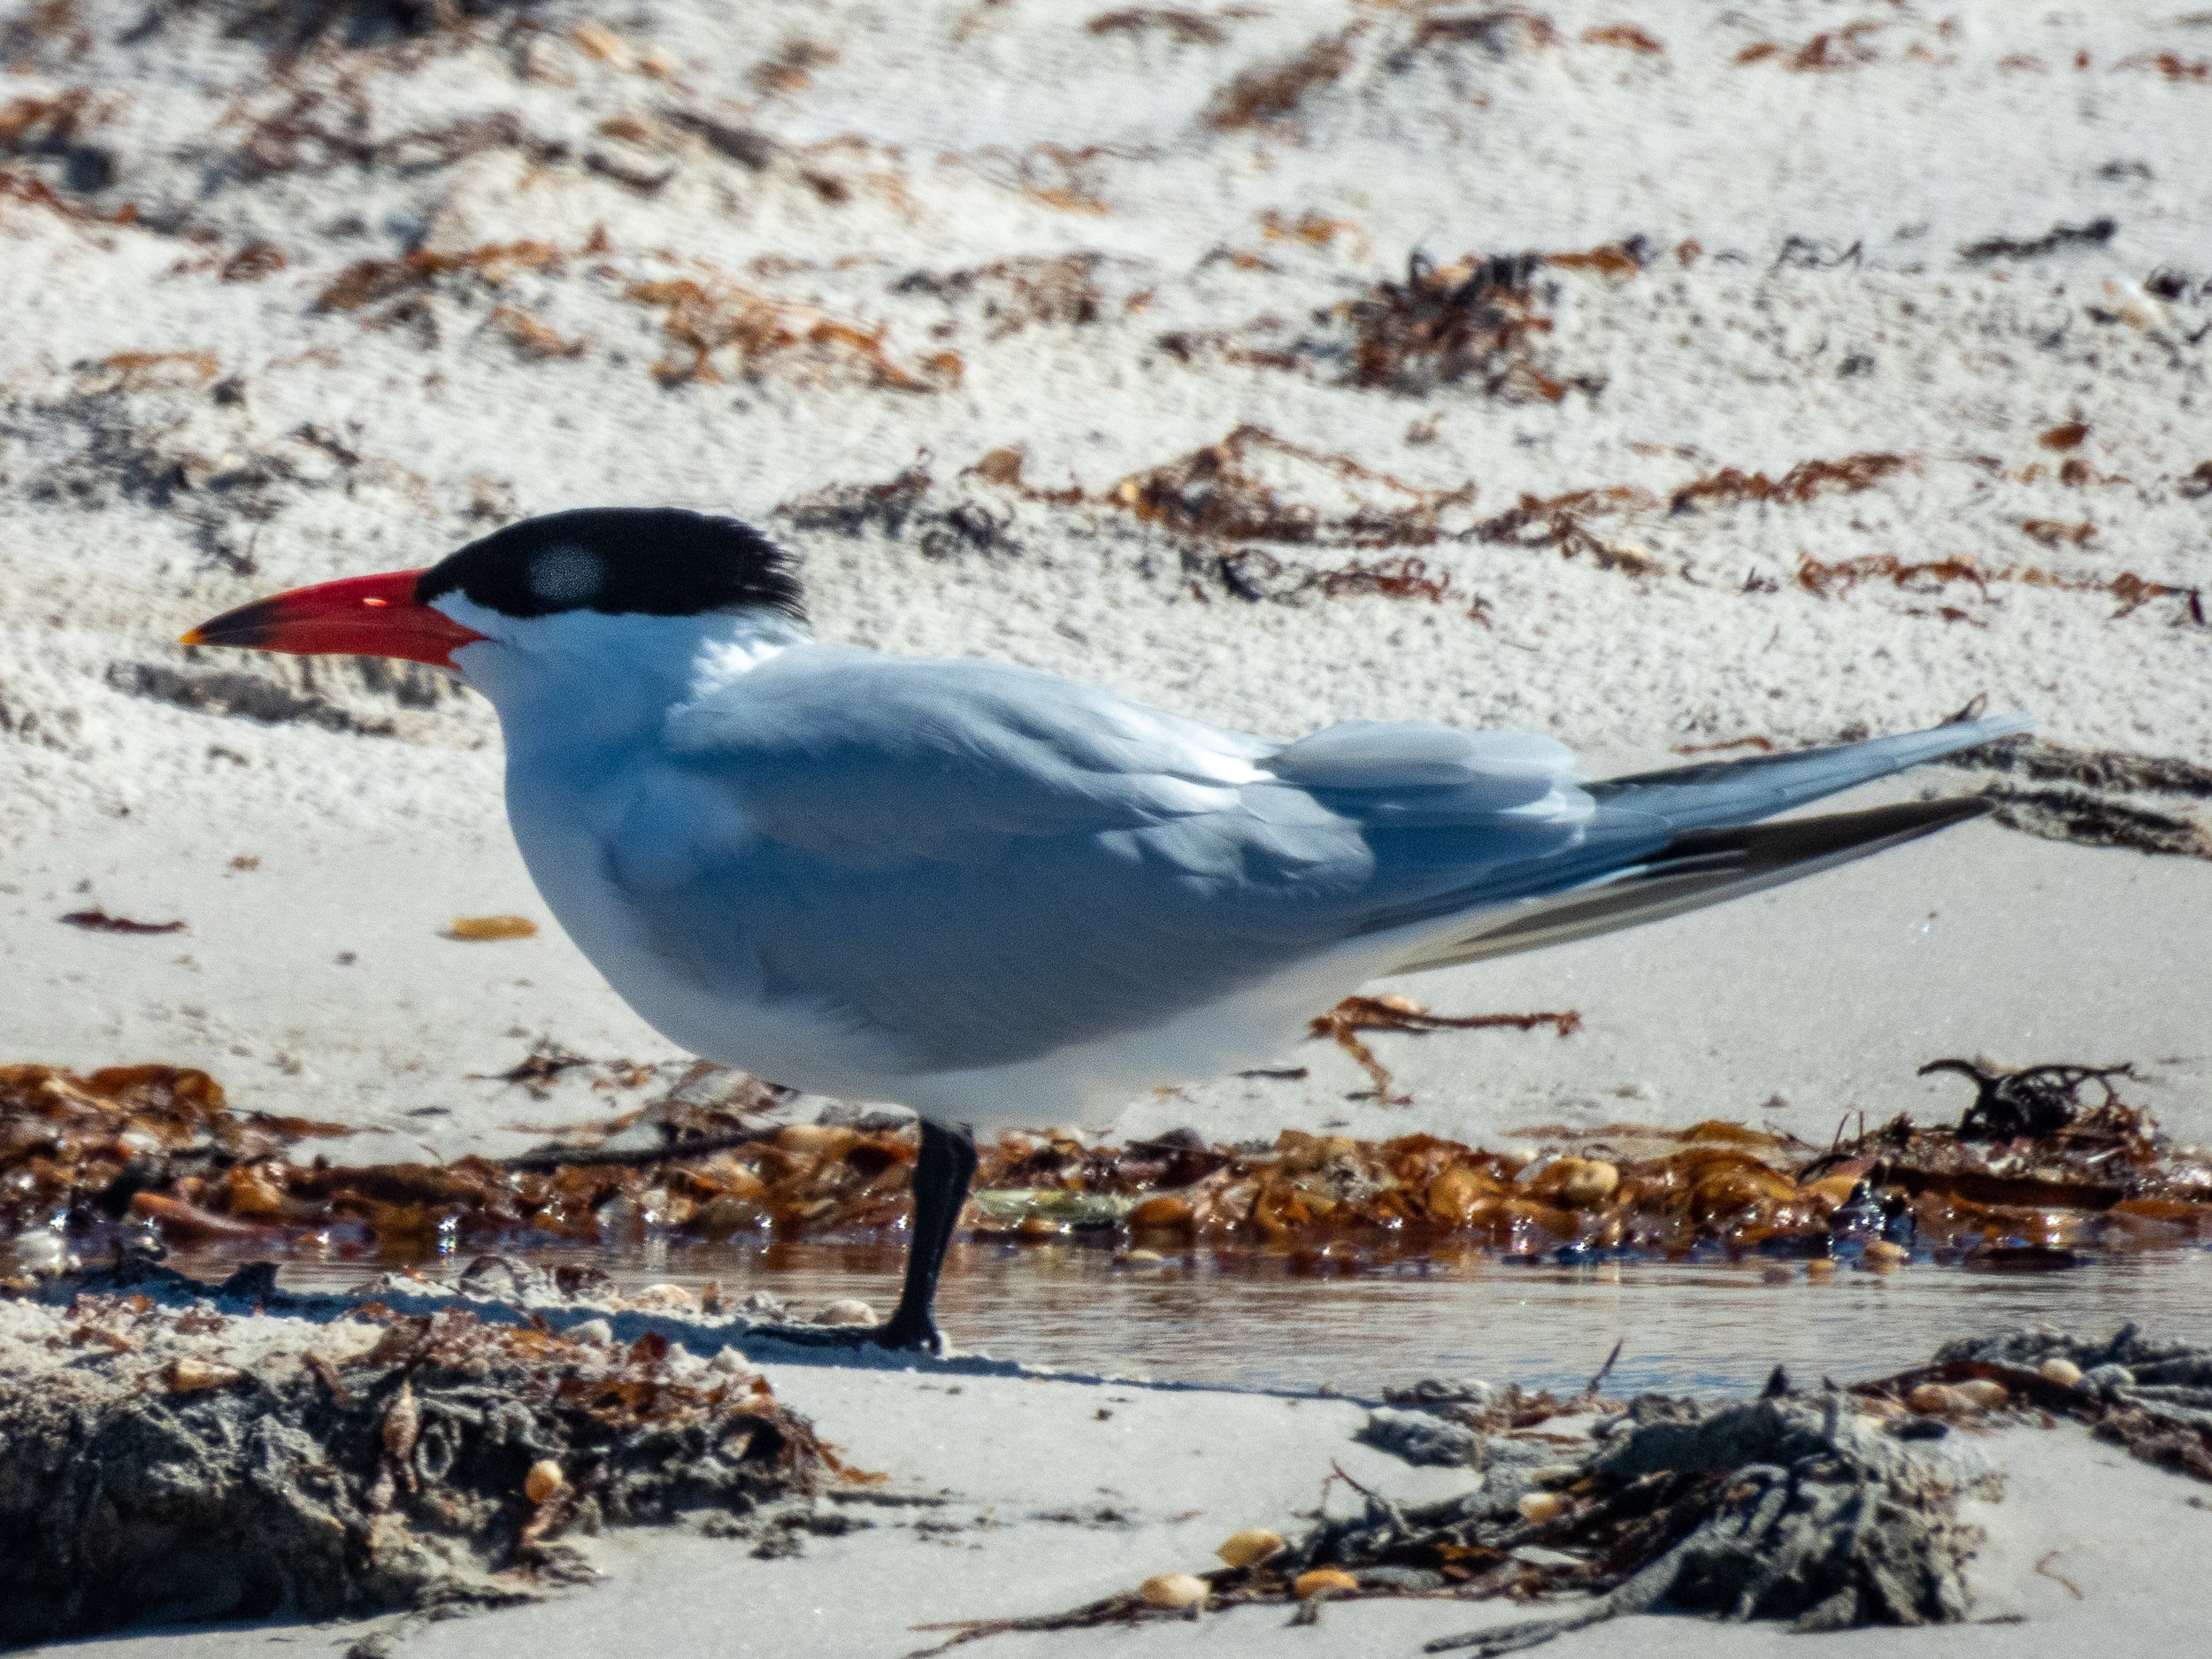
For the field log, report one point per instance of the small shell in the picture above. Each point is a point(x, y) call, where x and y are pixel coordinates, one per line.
point(1982, 1394)
point(189, 1376)
point(818, 1141)
point(1832, 1190)
point(1541, 1509)
point(591, 1331)
point(1253, 1544)
point(1172, 1590)
point(1323, 1580)
point(1458, 1192)
point(1165, 1211)
point(1580, 1183)
point(544, 1480)
point(2064, 1372)
point(597, 40)
point(490, 927)
point(849, 1311)
point(674, 1298)
point(1140, 1259)
point(1881, 1253)
point(1932, 1398)
point(403, 1423)
point(1821, 1267)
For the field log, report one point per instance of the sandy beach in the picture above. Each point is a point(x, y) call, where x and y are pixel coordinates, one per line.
point(1669, 380)
point(1842, 434)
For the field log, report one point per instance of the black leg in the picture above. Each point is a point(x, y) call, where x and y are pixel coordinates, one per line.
point(942, 1174)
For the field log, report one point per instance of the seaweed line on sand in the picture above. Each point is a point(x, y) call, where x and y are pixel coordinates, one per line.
point(386, 1460)
point(2032, 1177)
point(1815, 1508)
point(1781, 1508)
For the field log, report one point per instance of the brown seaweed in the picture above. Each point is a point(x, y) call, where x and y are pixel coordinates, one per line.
point(157, 1151)
point(1845, 48)
point(1343, 1023)
point(705, 319)
point(1784, 1507)
point(1217, 493)
point(98, 921)
point(1184, 28)
point(441, 1467)
point(1268, 95)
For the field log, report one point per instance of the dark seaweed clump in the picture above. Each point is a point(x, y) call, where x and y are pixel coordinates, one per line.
point(439, 1467)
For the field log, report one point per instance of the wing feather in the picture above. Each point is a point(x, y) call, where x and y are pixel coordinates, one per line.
point(983, 865)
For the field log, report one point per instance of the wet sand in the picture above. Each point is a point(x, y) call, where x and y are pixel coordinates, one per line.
point(1683, 1327)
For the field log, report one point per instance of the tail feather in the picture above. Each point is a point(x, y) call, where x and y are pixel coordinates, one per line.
point(1740, 791)
point(1698, 867)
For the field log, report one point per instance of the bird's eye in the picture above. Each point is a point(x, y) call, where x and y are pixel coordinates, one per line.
point(565, 576)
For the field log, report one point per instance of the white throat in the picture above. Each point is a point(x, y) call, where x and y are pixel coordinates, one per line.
point(583, 679)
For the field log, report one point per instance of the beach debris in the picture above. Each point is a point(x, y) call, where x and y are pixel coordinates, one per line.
point(1472, 318)
point(1478, 319)
point(1390, 1011)
point(1268, 95)
point(1008, 295)
point(98, 921)
point(155, 1152)
point(2088, 819)
point(2033, 1101)
point(2095, 233)
point(1252, 1545)
point(848, 1311)
point(1540, 1508)
point(1184, 28)
point(489, 928)
point(1580, 1183)
point(1788, 1507)
point(544, 1481)
point(1172, 1590)
point(1930, 1400)
point(2151, 1396)
point(387, 1461)
point(1419, 1437)
point(1323, 1581)
point(188, 1375)
point(705, 319)
point(1238, 489)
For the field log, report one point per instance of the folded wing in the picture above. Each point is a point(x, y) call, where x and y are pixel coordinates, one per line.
point(975, 864)
point(983, 865)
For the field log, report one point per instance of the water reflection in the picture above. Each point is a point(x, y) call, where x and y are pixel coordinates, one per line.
point(1253, 1322)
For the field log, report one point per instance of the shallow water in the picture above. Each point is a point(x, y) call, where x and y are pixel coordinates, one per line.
point(1253, 1323)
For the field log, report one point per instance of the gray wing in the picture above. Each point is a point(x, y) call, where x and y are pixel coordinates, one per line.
point(983, 865)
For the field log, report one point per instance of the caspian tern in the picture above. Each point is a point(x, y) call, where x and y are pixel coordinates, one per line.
point(989, 894)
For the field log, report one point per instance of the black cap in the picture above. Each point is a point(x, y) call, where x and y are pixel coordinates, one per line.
point(648, 561)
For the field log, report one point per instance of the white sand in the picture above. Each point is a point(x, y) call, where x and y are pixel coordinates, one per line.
point(924, 151)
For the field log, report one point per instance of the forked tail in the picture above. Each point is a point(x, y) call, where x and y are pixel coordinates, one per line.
point(1719, 849)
